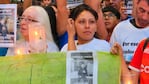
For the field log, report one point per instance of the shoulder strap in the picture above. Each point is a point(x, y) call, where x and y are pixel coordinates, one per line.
point(145, 43)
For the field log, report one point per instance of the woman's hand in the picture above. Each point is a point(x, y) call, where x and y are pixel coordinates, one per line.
point(35, 46)
point(70, 28)
point(71, 34)
point(117, 49)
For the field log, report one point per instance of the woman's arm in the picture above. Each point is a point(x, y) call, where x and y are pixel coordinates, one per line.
point(71, 35)
point(126, 75)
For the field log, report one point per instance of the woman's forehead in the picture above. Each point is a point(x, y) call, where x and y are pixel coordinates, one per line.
point(30, 13)
point(86, 14)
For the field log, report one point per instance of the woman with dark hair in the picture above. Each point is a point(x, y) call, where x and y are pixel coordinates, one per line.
point(62, 16)
point(83, 23)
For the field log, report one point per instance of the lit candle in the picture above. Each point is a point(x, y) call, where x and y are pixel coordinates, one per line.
point(19, 51)
point(36, 38)
point(129, 79)
point(129, 82)
point(36, 34)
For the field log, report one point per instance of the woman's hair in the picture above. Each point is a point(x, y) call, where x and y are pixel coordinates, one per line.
point(43, 18)
point(79, 9)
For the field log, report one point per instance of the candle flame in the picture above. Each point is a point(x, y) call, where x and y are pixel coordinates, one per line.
point(129, 82)
point(19, 52)
point(36, 33)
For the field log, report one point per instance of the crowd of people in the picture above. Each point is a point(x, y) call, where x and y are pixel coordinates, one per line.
point(92, 26)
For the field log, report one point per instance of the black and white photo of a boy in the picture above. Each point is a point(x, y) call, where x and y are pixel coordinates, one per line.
point(82, 72)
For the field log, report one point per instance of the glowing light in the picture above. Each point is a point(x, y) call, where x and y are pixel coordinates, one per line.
point(36, 33)
point(19, 52)
point(128, 82)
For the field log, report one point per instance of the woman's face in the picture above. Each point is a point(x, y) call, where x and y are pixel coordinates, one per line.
point(86, 26)
point(29, 16)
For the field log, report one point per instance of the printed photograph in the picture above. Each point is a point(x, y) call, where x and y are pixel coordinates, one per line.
point(81, 68)
point(7, 25)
